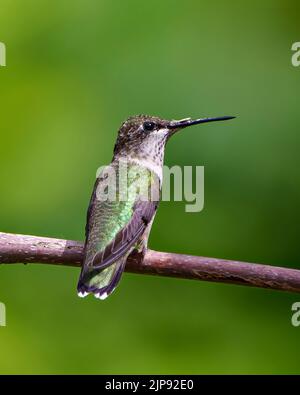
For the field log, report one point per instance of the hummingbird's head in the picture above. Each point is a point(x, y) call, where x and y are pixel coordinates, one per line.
point(144, 136)
point(140, 133)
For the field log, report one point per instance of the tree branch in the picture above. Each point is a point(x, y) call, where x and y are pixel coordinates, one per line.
point(32, 249)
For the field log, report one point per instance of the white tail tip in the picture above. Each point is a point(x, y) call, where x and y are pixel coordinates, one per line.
point(101, 296)
point(82, 294)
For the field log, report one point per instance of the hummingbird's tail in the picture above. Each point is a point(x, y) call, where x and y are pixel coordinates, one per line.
point(101, 281)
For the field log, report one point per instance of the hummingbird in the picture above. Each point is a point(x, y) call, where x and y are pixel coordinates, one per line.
point(121, 223)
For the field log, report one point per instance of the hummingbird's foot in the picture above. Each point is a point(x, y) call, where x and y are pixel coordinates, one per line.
point(141, 247)
point(138, 254)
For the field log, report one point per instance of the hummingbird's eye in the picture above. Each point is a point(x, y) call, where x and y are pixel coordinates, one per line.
point(148, 125)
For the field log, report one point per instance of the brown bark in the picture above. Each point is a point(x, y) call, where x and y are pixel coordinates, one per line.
point(33, 249)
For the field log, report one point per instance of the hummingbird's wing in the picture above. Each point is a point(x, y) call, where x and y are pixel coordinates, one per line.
point(112, 232)
point(143, 212)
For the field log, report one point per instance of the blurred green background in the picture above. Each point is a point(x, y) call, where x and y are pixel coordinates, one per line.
point(77, 69)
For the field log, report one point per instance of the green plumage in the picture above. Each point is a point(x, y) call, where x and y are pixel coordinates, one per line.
point(123, 185)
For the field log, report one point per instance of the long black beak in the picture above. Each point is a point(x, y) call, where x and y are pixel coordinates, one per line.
point(183, 123)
